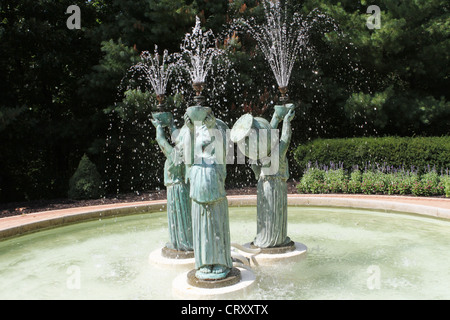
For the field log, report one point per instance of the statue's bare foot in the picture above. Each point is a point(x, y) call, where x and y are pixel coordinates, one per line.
point(204, 272)
point(218, 269)
point(215, 272)
point(205, 269)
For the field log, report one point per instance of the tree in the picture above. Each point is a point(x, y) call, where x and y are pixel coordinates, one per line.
point(65, 93)
point(44, 120)
point(405, 63)
point(86, 183)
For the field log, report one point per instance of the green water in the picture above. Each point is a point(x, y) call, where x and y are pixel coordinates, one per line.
point(352, 254)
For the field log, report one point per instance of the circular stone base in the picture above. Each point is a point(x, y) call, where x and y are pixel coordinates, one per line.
point(175, 254)
point(157, 258)
point(183, 290)
point(265, 258)
point(233, 277)
point(277, 250)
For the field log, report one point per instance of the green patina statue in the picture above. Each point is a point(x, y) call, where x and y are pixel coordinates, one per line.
point(206, 171)
point(178, 200)
point(270, 165)
point(272, 190)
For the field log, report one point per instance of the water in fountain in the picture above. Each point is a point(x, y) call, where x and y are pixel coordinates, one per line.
point(199, 50)
point(130, 133)
point(411, 253)
point(308, 52)
point(282, 38)
point(129, 151)
point(204, 64)
point(155, 70)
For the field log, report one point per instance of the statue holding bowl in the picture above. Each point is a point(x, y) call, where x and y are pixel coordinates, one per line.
point(206, 172)
point(272, 186)
point(178, 200)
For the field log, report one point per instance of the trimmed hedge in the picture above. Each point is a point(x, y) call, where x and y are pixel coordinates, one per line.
point(317, 180)
point(421, 152)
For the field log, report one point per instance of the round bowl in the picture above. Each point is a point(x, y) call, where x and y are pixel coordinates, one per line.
point(165, 118)
point(241, 128)
point(281, 111)
point(253, 136)
point(198, 114)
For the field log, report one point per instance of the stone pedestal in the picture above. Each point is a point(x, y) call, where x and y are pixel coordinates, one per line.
point(271, 256)
point(166, 257)
point(236, 285)
point(233, 278)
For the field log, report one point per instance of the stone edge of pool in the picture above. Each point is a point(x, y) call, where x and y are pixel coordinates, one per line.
point(23, 224)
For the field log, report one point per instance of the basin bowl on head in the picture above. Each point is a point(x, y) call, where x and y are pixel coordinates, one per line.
point(253, 136)
point(282, 110)
point(165, 118)
point(198, 113)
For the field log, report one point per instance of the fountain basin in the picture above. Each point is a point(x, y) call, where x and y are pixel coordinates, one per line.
point(158, 259)
point(347, 250)
point(24, 224)
point(272, 259)
point(182, 289)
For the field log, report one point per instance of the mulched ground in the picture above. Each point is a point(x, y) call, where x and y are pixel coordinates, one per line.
point(18, 208)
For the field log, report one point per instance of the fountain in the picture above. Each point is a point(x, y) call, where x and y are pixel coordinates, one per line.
point(107, 258)
point(201, 225)
point(201, 148)
point(195, 170)
point(157, 71)
point(281, 39)
point(195, 173)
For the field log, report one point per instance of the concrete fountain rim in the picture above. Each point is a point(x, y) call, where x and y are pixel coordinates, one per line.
point(28, 223)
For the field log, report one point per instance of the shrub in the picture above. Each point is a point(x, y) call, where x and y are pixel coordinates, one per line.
point(86, 182)
point(354, 184)
point(429, 185)
point(391, 181)
point(407, 180)
point(445, 180)
point(312, 181)
point(383, 180)
point(335, 180)
point(323, 180)
point(420, 152)
point(372, 183)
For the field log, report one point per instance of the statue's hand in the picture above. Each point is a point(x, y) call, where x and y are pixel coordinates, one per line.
point(290, 116)
point(210, 121)
point(156, 123)
point(256, 170)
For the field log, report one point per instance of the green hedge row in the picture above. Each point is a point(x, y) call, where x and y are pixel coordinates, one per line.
point(421, 152)
point(317, 180)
